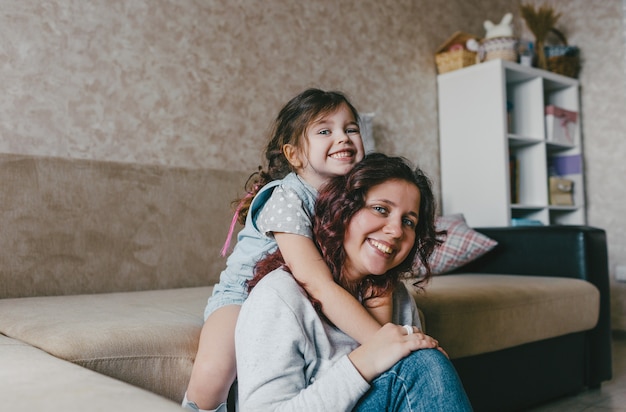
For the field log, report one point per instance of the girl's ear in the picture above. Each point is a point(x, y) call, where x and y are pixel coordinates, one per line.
point(291, 153)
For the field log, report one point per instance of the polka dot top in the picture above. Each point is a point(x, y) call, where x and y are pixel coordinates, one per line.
point(284, 212)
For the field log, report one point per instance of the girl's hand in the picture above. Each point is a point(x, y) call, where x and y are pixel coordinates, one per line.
point(389, 345)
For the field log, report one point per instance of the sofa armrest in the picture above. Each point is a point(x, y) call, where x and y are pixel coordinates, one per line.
point(563, 251)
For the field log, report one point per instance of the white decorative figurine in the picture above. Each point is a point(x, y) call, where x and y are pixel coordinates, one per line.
point(502, 29)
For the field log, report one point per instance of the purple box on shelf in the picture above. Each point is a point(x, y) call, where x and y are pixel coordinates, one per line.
point(566, 165)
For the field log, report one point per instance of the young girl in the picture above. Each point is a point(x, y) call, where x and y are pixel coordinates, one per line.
point(314, 138)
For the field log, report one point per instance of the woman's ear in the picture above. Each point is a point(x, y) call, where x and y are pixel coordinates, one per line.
point(291, 153)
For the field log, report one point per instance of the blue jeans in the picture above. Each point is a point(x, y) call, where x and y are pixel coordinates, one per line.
point(423, 381)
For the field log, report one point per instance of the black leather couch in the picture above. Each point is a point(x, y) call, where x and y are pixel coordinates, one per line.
point(520, 377)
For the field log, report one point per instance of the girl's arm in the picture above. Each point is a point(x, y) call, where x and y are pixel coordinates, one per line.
point(339, 306)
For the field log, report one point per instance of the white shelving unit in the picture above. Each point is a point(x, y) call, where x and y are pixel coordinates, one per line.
point(491, 113)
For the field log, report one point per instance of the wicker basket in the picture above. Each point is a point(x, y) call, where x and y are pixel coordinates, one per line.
point(453, 55)
point(563, 59)
point(565, 65)
point(454, 60)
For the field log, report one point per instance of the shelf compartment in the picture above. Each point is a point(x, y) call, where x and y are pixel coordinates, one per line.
point(524, 216)
point(524, 119)
point(568, 166)
point(563, 215)
point(528, 176)
point(564, 95)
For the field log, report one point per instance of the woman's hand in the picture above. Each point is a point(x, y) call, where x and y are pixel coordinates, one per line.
point(389, 345)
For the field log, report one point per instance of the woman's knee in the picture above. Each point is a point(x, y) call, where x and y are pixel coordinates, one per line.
point(427, 365)
point(427, 358)
point(425, 379)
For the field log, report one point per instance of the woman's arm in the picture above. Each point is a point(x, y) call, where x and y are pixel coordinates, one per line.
point(284, 356)
point(339, 306)
point(288, 359)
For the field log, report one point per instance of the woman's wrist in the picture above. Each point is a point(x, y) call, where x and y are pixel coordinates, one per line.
point(362, 364)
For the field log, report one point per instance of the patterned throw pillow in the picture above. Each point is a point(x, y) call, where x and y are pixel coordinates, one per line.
point(462, 245)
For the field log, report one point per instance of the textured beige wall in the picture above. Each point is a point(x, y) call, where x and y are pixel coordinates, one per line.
point(195, 83)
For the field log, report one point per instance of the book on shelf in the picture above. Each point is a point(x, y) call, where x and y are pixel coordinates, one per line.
point(520, 221)
point(514, 178)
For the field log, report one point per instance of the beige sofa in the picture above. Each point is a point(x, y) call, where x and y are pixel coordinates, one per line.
point(105, 269)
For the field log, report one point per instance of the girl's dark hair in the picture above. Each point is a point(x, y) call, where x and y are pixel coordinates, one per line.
point(341, 198)
point(290, 127)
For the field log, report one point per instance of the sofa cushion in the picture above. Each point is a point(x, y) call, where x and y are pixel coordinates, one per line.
point(461, 245)
point(476, 313)
point(32, 380)
point(148, 339)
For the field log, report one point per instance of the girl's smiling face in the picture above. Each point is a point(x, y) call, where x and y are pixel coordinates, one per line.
point(333, 146)
point(381, 235)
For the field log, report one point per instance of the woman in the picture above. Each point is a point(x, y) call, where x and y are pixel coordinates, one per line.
point(369, 226)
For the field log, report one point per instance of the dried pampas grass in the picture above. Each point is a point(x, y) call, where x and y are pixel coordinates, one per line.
point(539, 21)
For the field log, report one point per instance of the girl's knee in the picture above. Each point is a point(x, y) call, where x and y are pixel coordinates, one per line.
point(216, 368)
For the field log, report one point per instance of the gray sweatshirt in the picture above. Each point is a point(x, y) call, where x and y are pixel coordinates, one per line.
point(289, 359)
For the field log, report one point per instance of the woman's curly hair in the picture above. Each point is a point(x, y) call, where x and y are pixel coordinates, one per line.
point(340, 199)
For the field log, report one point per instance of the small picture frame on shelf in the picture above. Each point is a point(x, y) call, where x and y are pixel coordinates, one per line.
point(561, 191)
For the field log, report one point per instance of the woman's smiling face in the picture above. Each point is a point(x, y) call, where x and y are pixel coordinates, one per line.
point(381, 235)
